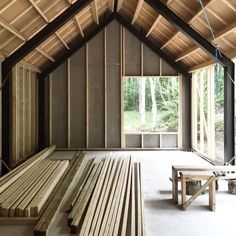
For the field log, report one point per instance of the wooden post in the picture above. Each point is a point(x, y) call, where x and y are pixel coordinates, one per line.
point(201, 97)
point(50, 109)
point(14, 116)
point(211, 112)
point(122, 59)
point(105, 87)
point(68, 102)
point(180, 118)
point(87, 96)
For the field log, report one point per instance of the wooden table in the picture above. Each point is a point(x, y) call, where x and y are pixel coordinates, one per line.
point(210, 178)
point(176, 169)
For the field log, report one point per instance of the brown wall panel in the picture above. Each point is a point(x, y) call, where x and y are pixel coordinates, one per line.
point(113, 85)
point(168, 70)
point(151, 62)
point(96, 91)
point(59, 106)
point(78, 99)
point(132, 54)
point(101, 69)
point(133, 140)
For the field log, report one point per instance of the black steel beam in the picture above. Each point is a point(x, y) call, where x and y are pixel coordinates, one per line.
point(142, 37)
point(76, 45)
point(41, 113)
point(229, 148)
point(5, 122)
point(41, 36)
point(187, 30)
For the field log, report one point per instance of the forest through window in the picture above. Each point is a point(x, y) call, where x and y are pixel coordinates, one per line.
point(151, 104)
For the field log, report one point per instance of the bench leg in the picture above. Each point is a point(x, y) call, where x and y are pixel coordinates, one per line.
point(183, 192)
point(174, 186)
point(212, 195)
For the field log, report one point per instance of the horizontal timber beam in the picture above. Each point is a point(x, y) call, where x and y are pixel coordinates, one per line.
point(76, 45)
point(142, 37)
point(187, 30)
point(41, 36)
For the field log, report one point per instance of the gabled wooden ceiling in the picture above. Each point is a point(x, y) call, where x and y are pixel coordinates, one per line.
point(20, 20)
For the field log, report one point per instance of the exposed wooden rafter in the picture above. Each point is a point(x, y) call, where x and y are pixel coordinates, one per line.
point(231, 4)
point(228, 29)
point(18, 34)
point(45, 54)
point(197, 14)
point(111, 5)
point(45, 33)
point(119, 5)
point(11, 29)
point(188, 31)
point(77, 24)
point(137, 11)
point(47, 21)
point(94, 11)
point(213, 13)
point(157, 20)
point(142, 37)
point(76, 44)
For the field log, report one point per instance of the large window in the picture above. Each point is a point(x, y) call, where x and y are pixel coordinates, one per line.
point(208, 112)
point(151, 104)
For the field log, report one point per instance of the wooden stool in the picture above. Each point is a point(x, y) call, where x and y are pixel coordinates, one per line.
point(194, 176)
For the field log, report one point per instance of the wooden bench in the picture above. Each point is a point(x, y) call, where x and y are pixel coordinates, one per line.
point(176, 169)
point(196, 176)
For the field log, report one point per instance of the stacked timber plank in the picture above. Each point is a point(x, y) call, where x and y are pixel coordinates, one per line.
point(25, 190)
point(59, 194)
point(109, 199)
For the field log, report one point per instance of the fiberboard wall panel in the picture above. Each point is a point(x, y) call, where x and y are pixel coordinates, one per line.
point(59, 106)
point(132, 55)
point(78, 99)
point(113, 85)
point(96, 91)
point(151, 62)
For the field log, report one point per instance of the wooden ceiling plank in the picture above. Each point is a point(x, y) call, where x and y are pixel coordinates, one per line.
point(192, 34)
point(157, 20)
point(94, 11)
point(78, 26)
point(36, 7)
point(76, 44)
point(119, 5)
point(218, 36)
point(231, 45)
point(197, 14)
point(137, 11)
point(142, 37)
point(40, 50)
point(111, 5)
point(230, 5)
point(43, 35)
point(202, 65)
point(11, 29)
point(7, 6)
point(212, 12)
point(62, 40)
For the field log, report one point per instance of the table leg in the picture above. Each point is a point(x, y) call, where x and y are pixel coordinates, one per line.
point(183, 192)
point(174, 185)
point(212, 195)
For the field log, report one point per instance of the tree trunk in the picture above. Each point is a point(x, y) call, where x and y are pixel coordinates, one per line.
point(142, 83)
point(154, 104)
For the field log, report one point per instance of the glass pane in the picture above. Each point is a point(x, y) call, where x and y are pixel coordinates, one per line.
point(151, 104)
point(219, 114)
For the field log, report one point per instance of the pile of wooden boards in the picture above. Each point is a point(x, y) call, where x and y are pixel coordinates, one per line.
point(108, 199)
point(25, 190)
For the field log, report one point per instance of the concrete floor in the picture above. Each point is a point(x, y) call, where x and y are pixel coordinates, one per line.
point(162, 217)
